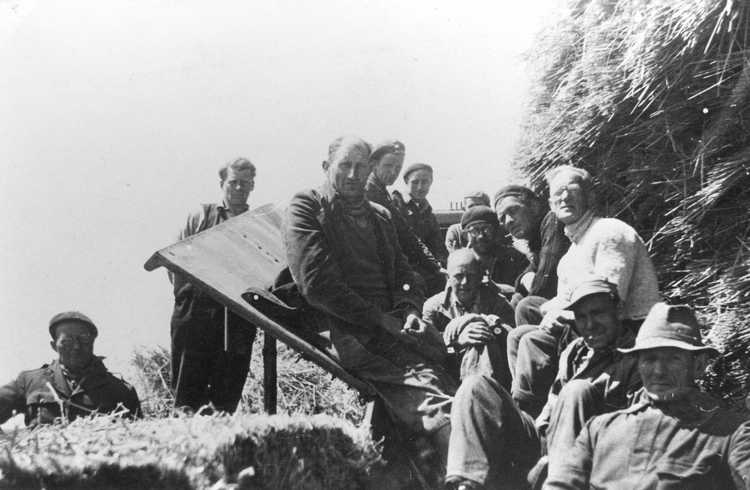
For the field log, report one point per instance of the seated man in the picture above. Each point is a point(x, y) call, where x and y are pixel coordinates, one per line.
point(500, 262)
point(455, 236)
point(674, 436)
point(492, 437)
point(592, 377)
point(76, 384)
point(601, 247)
point(387, 159)
point(474, 318)
point(344, 257)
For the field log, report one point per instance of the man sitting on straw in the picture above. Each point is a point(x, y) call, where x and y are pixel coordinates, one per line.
point(475, 319)
point(344, 256)
point(674, 436)
point(603, 247)
point(76, 384)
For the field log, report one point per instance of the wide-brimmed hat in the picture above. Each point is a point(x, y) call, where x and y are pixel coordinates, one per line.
point(589, 287)
point(669, 326)
point(71, 316)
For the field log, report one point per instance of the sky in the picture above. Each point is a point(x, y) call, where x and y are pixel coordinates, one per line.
point(114, 117)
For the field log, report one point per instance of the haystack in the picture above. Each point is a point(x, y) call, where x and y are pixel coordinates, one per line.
point(184, 452)
point(653, 98)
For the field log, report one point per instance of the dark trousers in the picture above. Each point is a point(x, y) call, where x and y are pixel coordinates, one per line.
point(492, 442)
point(532, 357)
point(216, 378)
point(577, 402)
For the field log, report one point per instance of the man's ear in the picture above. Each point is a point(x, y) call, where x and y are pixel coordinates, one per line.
point(325, 165)
point(53, 344)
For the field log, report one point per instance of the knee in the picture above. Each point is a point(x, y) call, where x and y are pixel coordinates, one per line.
point(477, 388)
point(576, 391)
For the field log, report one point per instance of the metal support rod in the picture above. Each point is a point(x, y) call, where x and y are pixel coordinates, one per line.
point(269, 374)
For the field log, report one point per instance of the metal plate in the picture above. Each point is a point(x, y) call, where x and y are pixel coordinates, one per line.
point(242, 252)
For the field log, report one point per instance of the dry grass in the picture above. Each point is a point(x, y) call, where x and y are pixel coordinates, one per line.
point(272, 452)
point(653, 97)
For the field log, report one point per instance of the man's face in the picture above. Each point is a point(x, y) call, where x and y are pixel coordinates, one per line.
point(516, 216)
point(237, 186)
point(465, 277)
point(388, 168)
point(347, 172)
point(666, 370)
point(74, 344)
point(597, 322)
point(567, 199)
point(419, 183)
point(481, 237)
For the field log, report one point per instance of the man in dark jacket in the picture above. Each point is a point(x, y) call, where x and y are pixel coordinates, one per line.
point(387, 159)
point(345, 258)
point(211, 346)
point(76, 384)
point(525, 215)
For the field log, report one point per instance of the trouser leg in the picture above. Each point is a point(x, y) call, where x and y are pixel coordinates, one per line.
point(191, 386)
point(490, 359)
point(228, 380)
point(536, 367)
point(528, 310)
point(514, 338)
point(578, 401)
point(488, 433)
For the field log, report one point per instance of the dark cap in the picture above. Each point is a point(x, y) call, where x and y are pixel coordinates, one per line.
point(414, 167)
point(588, 288)
point(386, 147)
point(479, 214)
point(669, 326)
point(71, 316)
point(523, 194)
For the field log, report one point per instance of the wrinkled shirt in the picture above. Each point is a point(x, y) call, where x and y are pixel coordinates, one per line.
point(547, 249)
point(614, 373)
point(694, 443)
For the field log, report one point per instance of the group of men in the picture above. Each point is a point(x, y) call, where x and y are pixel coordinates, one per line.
point(555, 367)
point(568, 373)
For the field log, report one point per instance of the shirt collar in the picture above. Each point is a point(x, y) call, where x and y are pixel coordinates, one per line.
point(224, 207)
point(575, 231)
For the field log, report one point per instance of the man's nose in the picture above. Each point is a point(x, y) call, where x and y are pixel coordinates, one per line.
point(352, 174)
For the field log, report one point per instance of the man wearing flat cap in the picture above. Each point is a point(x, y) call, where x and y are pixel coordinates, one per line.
point(455, 236)
point(76, 384)
point(500, 262)
point(417, 211)
point(387, 158)
point(674, 435)
point(488, 427)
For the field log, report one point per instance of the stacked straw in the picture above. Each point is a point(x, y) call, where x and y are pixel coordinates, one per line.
point(653, 98)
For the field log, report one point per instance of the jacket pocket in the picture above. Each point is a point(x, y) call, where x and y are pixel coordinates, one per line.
point(684, 475)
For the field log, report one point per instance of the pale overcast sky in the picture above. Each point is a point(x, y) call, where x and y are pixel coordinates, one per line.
point(114, 116)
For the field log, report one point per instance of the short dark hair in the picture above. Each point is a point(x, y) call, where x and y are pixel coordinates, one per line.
point(237, 164)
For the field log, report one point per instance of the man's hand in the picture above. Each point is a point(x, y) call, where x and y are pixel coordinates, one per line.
point(393, 326)
point(414, 325)
point(554, 321)
point(475, 333)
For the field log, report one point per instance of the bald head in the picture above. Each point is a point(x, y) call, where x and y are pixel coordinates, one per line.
point(464, 274)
